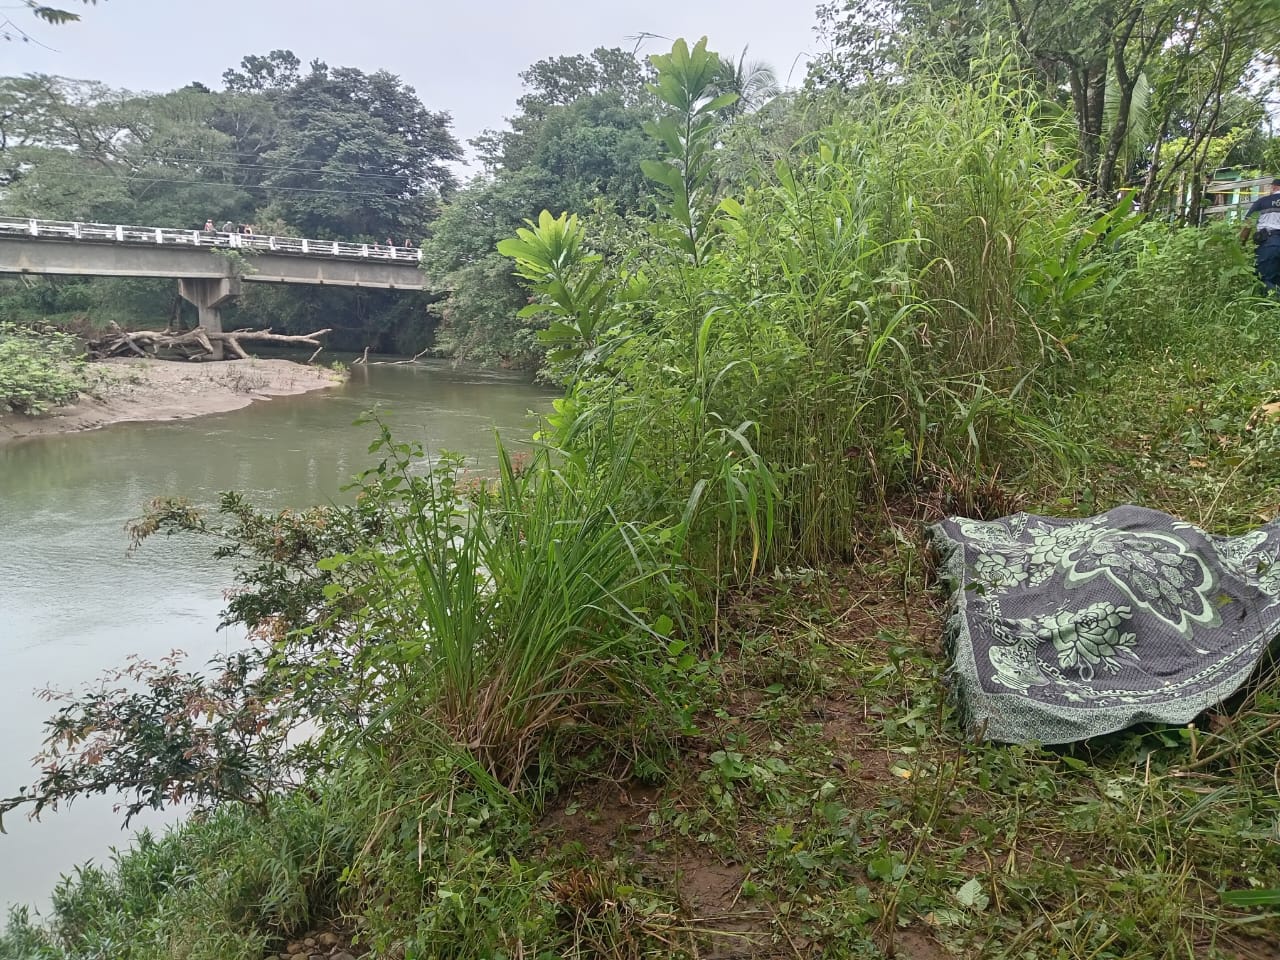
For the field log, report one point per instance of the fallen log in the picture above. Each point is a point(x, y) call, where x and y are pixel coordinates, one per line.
point(195, 344)
point(364, 359)
point(396, 363)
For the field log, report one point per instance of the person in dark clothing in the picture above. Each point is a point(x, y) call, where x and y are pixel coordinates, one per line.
point(1266, 235)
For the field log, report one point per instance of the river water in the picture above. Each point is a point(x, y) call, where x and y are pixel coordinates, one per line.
point(72, 605)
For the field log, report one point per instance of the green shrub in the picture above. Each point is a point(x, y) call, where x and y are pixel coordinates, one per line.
point(488, 619)
point(1168, 284)
point(878, 315)
point(227, 885)
point(23, 939)
point(39, 367)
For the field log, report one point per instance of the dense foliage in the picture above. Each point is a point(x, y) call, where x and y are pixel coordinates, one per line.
point(810, 343)
point(575, 146)
point(1152, 85)
point(325, 152)
point(38, 368)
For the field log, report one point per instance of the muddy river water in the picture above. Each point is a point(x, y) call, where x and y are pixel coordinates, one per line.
point(72, 604)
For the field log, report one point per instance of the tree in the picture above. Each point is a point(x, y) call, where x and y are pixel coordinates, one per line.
point(609, 72)
point(333, 153)
point(1115, 63)
point(1211, 82)
point(278, 70)
point(560, 81)
point(358, 155)
point(869, 41)
point(752, 82)
point(1098, 46)
point(576, 146)
point(80, 150)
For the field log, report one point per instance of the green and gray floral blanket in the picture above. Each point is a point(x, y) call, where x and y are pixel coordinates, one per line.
point(1065, 629)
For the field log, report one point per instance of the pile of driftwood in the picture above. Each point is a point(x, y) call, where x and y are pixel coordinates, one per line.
point(197, 344)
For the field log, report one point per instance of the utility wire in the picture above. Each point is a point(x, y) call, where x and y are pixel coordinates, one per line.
point(237, 165)
point(273, 168)
point(8, 28)
point(218, 155)
point(238, 186)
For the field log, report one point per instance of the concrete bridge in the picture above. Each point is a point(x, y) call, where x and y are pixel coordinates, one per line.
point(208, 265)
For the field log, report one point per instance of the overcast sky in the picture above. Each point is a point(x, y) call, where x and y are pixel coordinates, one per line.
point(460, 55)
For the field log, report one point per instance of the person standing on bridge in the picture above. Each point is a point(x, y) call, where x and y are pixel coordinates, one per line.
point(228, 227)
point(208, 226)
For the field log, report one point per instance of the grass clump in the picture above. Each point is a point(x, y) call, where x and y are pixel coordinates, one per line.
point(878, 314)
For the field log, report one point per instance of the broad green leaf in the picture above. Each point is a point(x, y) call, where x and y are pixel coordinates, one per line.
point(971, 897)
point(1252, 898)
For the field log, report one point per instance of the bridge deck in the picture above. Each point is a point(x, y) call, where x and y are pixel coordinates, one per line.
point(67, 248)
point(27, 229)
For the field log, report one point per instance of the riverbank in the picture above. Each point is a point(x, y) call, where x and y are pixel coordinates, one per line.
point(131, 389)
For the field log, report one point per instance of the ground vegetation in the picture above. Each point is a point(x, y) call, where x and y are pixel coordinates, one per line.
point(671, 683)
point(39, 368)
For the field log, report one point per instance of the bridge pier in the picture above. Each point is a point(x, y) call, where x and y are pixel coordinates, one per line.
point(208, 294)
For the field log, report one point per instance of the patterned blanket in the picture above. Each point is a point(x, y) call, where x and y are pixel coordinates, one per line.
point(1065, 629)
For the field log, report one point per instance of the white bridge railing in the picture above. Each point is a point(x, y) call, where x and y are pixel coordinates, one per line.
point(167, 237)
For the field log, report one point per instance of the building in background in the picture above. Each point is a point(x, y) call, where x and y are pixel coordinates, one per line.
point(1231, 190)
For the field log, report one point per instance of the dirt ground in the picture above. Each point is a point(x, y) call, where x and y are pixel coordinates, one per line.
point(136, 389)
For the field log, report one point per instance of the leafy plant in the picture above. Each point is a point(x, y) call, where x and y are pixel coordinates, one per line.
point(689, 82)
point(39, 368)
point(550, 256)
point(163, 737)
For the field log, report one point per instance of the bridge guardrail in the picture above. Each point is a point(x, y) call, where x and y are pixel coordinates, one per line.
point(167, 236)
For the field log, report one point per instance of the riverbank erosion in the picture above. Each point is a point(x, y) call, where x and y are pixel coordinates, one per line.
point(131, 389)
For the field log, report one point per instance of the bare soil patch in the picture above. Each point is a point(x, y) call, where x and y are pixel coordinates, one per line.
point(131, 389)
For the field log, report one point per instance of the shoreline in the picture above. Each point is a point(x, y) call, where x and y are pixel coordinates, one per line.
point(138, 389)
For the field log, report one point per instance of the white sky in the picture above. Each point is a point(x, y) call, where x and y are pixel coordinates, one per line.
point(460, 55)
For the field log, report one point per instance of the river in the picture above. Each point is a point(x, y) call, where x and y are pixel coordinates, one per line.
point(71, 603)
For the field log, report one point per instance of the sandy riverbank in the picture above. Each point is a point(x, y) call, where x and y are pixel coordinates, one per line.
point(133, 388)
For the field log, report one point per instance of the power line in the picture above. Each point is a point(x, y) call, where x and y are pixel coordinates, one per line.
point(216, 158)
point(249, 153)
point(8, 28)
point(274, 168)
point(238, 186)
point(235, 164)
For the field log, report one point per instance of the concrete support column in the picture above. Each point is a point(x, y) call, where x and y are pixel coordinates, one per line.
point(208, 294)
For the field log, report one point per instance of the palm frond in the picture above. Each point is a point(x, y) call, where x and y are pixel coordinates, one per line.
point(1138, 131)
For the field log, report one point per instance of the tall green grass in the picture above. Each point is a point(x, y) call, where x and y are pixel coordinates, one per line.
point(498, 614)
point(445, 615)
point(878, 314)
point(228, 885)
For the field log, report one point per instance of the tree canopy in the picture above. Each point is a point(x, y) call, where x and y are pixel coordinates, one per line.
point(1135, 74)
point(322, 152)
point(577, 141)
